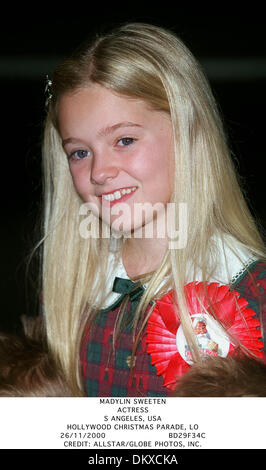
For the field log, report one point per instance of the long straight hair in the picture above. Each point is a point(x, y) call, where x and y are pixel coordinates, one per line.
point(149, 63)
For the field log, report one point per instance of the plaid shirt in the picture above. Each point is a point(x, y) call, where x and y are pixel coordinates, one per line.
point(106, 373)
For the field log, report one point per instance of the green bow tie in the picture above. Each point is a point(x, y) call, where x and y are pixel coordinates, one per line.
point(128, 287)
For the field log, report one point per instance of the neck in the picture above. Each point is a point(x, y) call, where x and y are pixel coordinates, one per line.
point(142, 256)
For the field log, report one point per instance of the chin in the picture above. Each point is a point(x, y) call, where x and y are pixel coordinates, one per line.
point(122, 230)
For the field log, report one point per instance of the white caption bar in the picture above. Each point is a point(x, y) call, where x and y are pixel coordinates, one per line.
point(132, 423)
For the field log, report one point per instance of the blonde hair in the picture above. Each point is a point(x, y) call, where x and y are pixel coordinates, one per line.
point(149, 63)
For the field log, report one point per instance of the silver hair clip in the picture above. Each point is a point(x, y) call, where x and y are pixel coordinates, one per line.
point(48, 91)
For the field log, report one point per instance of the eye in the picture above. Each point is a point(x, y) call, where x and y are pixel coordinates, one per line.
point(125, 141)
point(79, 155)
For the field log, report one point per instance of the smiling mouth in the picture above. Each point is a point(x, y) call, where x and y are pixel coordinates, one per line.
point(118, 194)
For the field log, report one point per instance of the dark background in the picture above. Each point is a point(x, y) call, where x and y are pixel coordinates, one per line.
point(231, 48)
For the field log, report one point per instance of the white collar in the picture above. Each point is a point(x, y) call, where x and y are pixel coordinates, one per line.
point(232, 259)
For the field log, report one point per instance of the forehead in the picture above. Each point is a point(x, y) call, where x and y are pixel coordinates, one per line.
point(97, 107)
point(98, 100)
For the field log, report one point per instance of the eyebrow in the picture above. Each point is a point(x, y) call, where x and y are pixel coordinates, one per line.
point(110, 129)
point(105, 131)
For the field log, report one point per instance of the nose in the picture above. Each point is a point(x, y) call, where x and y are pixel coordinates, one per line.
point(103, 168)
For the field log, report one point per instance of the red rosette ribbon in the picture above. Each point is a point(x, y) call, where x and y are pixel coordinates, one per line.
point(209, 299)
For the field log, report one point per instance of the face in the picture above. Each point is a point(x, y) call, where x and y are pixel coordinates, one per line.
point(200, 328)
point(120, 154)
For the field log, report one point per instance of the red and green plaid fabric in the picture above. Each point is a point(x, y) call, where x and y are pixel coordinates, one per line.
point(106, 373)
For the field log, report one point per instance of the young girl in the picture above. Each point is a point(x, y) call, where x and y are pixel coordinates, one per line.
point(151, 258)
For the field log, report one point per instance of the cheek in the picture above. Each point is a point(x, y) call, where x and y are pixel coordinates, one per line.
point(158, 168)
point(153, 161)
point(81, 181)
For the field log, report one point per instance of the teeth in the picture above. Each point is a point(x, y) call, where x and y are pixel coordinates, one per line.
point(118, 194)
